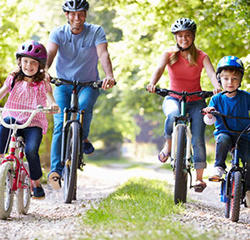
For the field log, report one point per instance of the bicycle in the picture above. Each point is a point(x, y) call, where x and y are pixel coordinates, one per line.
point(233, 186)
point(181, 149)
point(14, 171)
point(71, 149)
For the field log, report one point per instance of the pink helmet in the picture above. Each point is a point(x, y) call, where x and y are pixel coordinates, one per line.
point(33, 50)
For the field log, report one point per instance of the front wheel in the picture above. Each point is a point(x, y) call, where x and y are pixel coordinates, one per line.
point(6, 193)
point(71, 162)
point(180, 191)
point(23, 192)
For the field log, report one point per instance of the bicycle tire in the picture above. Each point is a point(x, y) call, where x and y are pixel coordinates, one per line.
point(6, 192)
point(180, 190)
point(236, 196)
point(23, 194)
point(71, 162)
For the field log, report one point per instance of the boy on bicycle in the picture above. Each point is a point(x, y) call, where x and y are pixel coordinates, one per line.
point(232, 102)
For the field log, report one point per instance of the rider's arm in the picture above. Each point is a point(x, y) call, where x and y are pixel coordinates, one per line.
point(211, 74)
point(3, 91)
point(51, 53)
point(158, 72)
point(51, 100)
point(103, 54)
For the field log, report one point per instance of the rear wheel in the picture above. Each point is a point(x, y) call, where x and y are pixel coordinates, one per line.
point(71, 162)
point(23, 193)
point(6, 193)
point(180, 192)
point(236, 196)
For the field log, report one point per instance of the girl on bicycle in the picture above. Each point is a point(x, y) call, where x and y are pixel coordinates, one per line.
point(185, 63)
point(27, 89)
point(233, 102)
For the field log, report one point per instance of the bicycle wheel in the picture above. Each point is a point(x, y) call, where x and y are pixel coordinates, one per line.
point(71, 163)
point(23, 193)
point(180, 191)
point(235, 196)
point(6, 193)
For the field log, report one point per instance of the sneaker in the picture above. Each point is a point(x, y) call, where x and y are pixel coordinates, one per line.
point(88, 147)
point(248, 199)
point(55, 180)
point(38, 193)
point(217, 174)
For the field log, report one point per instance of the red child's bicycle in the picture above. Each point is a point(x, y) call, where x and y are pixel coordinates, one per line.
point(14, 171)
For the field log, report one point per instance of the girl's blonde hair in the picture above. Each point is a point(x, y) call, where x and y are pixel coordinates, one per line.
point(40, 75)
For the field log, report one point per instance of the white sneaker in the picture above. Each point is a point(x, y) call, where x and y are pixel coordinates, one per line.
point(217, 174)
point(248, 199)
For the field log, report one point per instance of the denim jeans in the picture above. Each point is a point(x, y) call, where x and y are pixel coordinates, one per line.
point(224, 143)
point(33, 137)
point(171, 108)
point(87, 97)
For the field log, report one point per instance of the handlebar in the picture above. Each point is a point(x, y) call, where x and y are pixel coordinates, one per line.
point(223, 117)
point(32, 111)
point(165, 92)
point(60, 81)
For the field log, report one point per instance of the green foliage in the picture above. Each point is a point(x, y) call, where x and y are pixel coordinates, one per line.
point(17, 24)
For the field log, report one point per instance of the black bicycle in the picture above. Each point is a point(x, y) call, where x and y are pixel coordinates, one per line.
point(72, 149)
point(181, 149)
point(233, 186)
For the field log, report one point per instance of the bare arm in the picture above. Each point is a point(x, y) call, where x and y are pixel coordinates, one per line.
point(3, 91)
point(158, 72)
point(211, 74)
point(51, 53)
point(51, 100)
point(103, 54)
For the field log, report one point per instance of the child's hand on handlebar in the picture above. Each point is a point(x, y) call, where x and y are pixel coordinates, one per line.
point(55, 108)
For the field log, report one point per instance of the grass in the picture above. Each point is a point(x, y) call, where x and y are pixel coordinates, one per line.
point(141, 209)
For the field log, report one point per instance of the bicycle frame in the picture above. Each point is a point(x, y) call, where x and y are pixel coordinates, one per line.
point(72, 132)
point(15, 175)
point(181, 149)
point(233, 187)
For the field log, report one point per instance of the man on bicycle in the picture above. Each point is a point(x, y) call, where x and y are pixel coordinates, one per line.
point(78, 46)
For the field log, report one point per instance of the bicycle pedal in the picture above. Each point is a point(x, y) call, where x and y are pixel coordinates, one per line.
point(215, 180)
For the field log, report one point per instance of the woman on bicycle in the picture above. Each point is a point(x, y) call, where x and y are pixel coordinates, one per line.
point(27, 89)
point(185, 63)
point(234, 102)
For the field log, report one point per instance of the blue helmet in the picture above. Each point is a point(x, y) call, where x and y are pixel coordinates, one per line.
point(231, 62)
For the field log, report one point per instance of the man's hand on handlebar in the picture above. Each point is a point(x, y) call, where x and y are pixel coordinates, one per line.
point(108, 82)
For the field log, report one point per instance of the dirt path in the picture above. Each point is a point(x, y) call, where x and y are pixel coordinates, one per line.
point(52, 219)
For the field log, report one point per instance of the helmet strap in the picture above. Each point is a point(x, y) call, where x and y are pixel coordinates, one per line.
point(183, 49)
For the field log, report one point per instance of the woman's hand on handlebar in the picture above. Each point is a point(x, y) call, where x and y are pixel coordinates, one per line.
point(108, 82)
point(217, 90)
point(151, 88)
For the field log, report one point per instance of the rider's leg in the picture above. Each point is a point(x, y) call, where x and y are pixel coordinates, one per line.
point(171, 108)
point(62, 95)
point(33, 137)
point(87, 97)
point(198, 137)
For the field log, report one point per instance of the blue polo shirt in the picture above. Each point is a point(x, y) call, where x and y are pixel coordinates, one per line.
point(77, 57)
